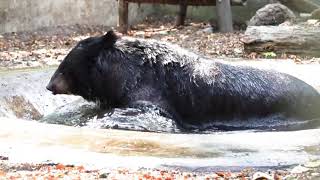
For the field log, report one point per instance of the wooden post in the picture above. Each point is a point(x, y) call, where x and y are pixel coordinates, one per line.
point(182, 12)
point(123, 16)
point(224, 16)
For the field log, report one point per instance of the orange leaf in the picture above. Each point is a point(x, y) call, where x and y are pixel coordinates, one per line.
point(60, 167)
point(80, 168)
point(2, 173)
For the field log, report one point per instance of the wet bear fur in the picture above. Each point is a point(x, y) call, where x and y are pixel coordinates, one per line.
point(185, 86)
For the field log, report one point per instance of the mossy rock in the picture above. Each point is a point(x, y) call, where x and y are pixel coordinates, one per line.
point(315, 14)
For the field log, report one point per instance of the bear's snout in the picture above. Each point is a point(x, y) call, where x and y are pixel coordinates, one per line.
point(58, 85)
point(51, 88)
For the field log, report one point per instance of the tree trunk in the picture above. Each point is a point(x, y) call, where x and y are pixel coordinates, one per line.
point(182, 12)
point(283, 39)
point(224, 16)
point(123, 16)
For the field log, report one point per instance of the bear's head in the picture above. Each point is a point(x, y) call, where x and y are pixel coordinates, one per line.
point(85, 67)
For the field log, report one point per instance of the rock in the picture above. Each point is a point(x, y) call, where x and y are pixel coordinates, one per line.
point(305, 15)
point(272, 14)
point(302, 40)
point(315, 14)
point(207, 30)
point(299, 169)
point(104, 173)
point(22, 108)
point(312, 164)
point(261, 176)
point(312, 22)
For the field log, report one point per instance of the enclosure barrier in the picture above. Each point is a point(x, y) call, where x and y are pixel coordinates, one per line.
point(123, 8)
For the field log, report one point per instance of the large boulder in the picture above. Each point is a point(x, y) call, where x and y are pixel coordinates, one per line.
point(272, 14)
point(315, 14)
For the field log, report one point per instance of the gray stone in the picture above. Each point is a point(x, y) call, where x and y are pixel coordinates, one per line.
point(272, 14)
point(261, 175)
point(315, 14)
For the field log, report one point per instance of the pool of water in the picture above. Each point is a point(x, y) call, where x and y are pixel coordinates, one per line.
point(37, 126)
point(30, 141)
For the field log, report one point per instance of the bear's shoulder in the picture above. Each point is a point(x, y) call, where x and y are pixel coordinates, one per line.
point(155, 51)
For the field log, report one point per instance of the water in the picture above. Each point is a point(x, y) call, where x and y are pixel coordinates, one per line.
point(80, 113)
point(35, 142)
point(143, 138)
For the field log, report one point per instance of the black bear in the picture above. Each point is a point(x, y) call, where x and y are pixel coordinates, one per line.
point(128, 72)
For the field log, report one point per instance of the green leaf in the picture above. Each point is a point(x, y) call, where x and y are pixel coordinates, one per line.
point(269, 54)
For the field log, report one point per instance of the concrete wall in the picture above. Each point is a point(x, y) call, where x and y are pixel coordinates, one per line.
point(22, 15)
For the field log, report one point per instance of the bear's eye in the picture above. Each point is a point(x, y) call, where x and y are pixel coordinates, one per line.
point(86, 43)
point(79, 46)
point(82, 46)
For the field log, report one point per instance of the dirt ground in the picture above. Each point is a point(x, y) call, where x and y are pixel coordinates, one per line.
point(51, 171)
point(48, 46)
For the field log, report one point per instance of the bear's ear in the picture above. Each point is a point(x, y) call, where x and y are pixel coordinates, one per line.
point(110, 38)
